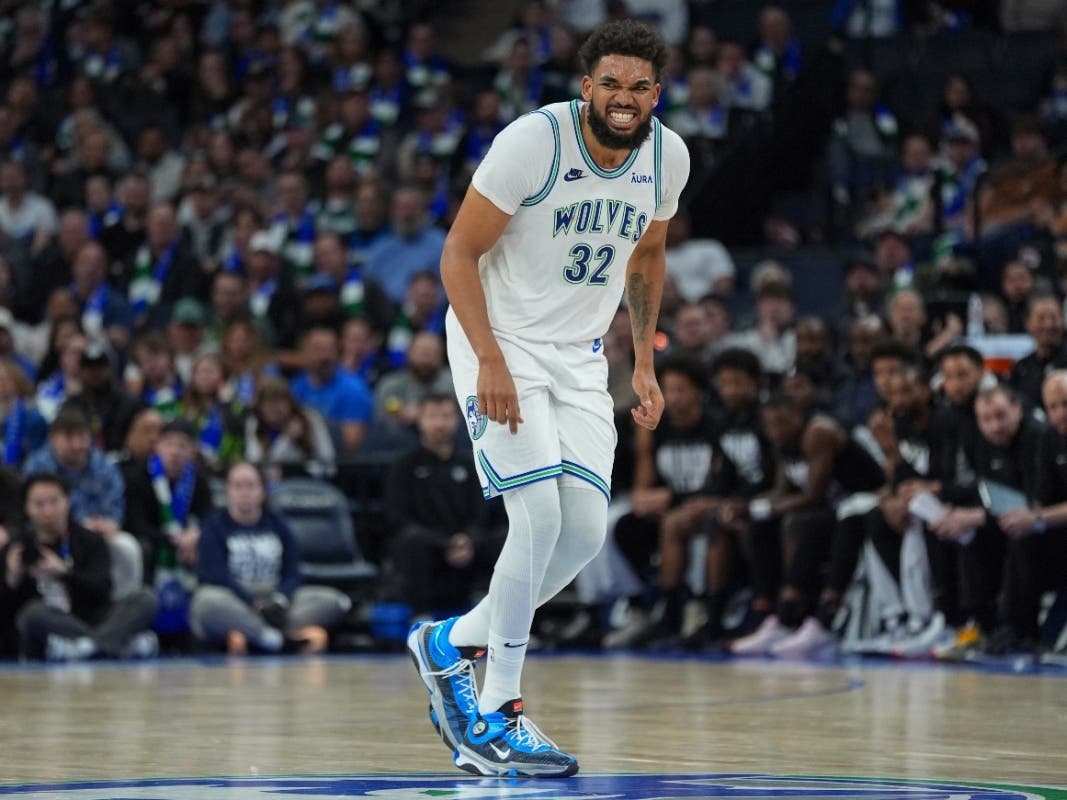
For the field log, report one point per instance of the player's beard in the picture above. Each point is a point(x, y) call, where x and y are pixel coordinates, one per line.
point(606, 137)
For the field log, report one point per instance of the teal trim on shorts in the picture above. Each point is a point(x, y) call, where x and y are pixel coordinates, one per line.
point(541, 195)
point(578, 471)
point(516, 481)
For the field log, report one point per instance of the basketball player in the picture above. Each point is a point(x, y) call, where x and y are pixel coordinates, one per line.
point(569, 208)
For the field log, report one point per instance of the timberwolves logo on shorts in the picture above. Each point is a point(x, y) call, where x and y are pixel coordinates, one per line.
point(476, 420)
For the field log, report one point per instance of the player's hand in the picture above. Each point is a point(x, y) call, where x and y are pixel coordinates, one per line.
point(1017, 522)
point(497, 398)
point(648, 414)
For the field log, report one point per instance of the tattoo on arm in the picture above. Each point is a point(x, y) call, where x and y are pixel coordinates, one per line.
point(639, 300)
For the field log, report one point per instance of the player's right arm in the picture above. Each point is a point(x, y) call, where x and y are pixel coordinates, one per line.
point(476, 229)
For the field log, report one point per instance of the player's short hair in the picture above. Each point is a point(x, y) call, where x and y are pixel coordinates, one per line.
point(740, 359)
point(625, 38)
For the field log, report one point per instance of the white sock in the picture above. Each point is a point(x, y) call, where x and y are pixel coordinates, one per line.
point(533, 528)
point(583, 522)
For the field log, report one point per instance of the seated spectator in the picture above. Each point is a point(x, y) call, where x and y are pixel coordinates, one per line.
point(743, 86)
point(66, 380)
point(423, 309)
point(108, 406)
point(908, 207)
point(963, 167)
point(27, 220)
point(434, 504)
point(160, 271)
point(141, 438)
point(778, 53)
point(1037, 549)
point(1007, 451)
point(53, 267)
point(13, 336)
point(168, 495)
point(1018, 183)
point(126, 233)
point(57, 583)
point(273, 300)
point(863, 146)
point(95, 486)
point(1044, 322)
point(372, 221)
point(282, 437)
point(820, 466)
point(186, 332)
point(1016, 285)
point(218, 420)
point(773, 337)
point(691, 336)
point(244, 359)
point(704, 121)
point(361, 351)
point(412, 246)
point(152, 377)
point(698, 266)
point(359, 295)
point(250, 590)
point(399, 394)
point(105, 314)
point(342, 399)
point(22, 428)
point(294, 222)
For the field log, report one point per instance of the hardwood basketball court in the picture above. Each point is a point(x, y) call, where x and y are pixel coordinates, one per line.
point(367, 716)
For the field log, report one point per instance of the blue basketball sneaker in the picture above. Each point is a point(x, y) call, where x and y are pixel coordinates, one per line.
point(505, 743)
point(448, 672)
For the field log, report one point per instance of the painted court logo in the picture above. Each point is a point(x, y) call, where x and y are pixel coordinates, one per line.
point(476, 420)
point(588, 787)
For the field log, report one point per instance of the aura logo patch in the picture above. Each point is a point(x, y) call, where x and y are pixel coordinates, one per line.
point(476, 420)
point(582, 787)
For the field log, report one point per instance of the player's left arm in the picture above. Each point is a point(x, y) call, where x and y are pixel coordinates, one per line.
point(644, 290)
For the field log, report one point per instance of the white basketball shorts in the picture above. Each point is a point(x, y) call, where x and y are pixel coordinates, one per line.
point(568, 432)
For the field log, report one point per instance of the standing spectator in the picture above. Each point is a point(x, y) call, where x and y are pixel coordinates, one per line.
point(284, 438)
point(58, 582)
point(1044, 322)
point(342, 399)
point(777, 54)
point(411, 247)
point(249, 569)
point(434, 504)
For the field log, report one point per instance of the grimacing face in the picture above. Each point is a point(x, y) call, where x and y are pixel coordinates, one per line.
point(620, 96)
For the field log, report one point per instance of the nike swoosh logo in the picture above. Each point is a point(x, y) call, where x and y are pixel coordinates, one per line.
point(573, 175)
point(520, 644)
point(503, 754)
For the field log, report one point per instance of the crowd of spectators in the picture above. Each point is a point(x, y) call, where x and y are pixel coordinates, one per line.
point(220, 232)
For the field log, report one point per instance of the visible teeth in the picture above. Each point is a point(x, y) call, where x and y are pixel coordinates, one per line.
point(620, 116)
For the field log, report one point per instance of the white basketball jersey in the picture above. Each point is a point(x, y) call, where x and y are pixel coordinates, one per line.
point(558, 271)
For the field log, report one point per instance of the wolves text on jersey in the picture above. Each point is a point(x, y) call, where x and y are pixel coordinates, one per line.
point(600, 216)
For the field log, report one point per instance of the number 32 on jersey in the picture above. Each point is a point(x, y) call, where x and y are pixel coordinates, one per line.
point(589, 266)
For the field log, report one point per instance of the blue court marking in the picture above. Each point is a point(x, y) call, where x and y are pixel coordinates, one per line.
point(743, 786)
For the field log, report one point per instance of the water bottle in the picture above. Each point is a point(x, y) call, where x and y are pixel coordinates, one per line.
point(975, 323)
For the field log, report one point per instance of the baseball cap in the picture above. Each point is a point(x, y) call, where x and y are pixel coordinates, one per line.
point(189, 311)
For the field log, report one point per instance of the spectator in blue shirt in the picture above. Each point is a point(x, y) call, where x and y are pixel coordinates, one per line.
point(412, 246)
point(341, 397)
point(97, 491)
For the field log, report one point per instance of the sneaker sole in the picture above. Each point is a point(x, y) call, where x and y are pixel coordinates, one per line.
point(437, 703)
point(471, 762)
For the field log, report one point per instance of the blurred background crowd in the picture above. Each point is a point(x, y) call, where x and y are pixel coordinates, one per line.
point(226, 410)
